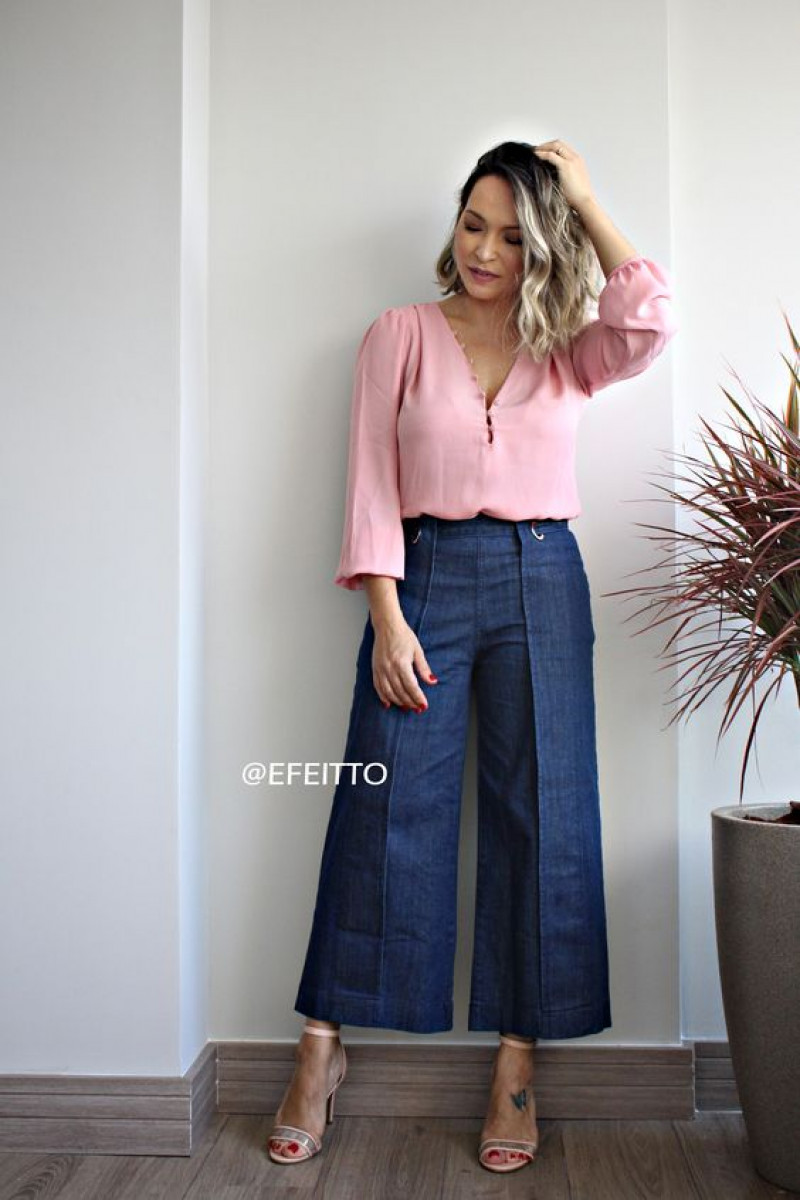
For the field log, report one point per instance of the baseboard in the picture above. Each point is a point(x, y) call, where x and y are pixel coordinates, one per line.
point(106, 1114)
point(714, 1082)
point(61, 1114)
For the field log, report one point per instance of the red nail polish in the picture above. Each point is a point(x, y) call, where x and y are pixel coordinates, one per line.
point(433, 679)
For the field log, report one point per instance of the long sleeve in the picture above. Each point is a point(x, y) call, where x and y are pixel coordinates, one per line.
point(635, 321)
point(373, 542)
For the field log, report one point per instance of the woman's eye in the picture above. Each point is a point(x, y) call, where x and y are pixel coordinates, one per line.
point(476, 229)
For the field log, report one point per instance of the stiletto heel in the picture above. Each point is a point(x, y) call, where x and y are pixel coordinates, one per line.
point(526, 1148)
point(296, 1136)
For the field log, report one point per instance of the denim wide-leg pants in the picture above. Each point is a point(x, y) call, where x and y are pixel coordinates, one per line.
point(502, 606)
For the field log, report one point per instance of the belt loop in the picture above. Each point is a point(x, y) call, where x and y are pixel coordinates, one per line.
point(417, 535)
point(535, 534)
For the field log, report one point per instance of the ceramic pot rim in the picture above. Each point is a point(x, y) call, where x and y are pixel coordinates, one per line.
point(735, 812)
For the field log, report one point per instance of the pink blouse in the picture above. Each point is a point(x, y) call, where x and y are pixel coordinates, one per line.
point(422, 441)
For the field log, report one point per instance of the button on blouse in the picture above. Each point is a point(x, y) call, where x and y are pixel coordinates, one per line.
point(422, 438)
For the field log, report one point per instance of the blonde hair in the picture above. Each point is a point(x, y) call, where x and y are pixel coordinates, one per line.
point(560, 266)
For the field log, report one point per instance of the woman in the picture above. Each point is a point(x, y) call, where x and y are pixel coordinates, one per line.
point(461, 486)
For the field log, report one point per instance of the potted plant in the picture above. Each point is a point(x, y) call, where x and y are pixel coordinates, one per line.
point(734, 585)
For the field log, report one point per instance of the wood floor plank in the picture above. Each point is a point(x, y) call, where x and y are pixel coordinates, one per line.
point(393, 1158)
point(610, 1159)
point(14, 1162)
point(546, 1177)
point(239, 1166)
point(718, 1154)
point(106, 1176)
point(378, 1158)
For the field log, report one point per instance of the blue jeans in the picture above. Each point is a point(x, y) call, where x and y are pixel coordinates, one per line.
point(502, 605)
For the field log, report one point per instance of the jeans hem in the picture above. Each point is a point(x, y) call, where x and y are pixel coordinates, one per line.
point(373, 1011)
point(564, 1023)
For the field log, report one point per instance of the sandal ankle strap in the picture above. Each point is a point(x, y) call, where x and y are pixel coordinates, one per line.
point(512, 1041)
point(320, 1032)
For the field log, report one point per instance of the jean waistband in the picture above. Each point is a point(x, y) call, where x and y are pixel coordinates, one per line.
point(481, 523)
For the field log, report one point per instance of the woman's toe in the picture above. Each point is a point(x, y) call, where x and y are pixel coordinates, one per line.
point(283, 1146)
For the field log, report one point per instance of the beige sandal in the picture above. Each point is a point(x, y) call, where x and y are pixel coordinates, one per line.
point(293, 1134)
point(527, 1149)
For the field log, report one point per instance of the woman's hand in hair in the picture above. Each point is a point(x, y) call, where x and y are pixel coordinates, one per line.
point(573, 176)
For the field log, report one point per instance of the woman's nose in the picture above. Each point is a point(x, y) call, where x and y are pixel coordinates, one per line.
point(487, 251)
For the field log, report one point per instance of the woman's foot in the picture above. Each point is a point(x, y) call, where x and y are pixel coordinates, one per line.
point(512, 1106)
point(318, 1064)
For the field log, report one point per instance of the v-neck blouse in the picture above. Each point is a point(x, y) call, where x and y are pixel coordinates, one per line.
point(422, 440)
point(436, 307)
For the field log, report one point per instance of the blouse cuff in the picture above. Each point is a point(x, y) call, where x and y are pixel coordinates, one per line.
point(636, 318)
point(637, 295)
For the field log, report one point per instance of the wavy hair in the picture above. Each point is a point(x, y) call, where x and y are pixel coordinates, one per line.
point(559, 276)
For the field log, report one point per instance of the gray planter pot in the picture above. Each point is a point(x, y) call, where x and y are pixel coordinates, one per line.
point(756, 871)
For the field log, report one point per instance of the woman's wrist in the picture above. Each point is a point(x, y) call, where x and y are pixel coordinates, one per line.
point(384, 605)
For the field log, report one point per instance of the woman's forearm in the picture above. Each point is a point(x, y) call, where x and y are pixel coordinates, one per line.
point(384, 605)
point(611, 247)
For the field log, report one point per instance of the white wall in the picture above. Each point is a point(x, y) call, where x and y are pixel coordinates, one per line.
point(156, 637)
point(193, 516)
point(734, 103)
point(337, 145)
point(102, 969)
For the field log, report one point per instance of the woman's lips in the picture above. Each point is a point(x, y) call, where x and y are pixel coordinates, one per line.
point(481, 276)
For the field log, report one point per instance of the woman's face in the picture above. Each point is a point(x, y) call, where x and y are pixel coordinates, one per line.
point(487, 236)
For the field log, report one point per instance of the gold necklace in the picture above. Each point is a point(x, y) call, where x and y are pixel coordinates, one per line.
point(471, 362)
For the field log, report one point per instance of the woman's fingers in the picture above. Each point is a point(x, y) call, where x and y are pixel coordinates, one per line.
point(555, 145)
point(423, 666)
point(405, 682)
point(395, 692)
point(386, 691)
point(396, 652)
point(400, 687)
point(410, 683)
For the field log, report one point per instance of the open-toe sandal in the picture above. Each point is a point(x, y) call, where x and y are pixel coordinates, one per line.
point(293, 1134)
point(528, 1150)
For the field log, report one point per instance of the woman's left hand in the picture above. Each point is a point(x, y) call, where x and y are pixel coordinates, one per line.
point(573, 177)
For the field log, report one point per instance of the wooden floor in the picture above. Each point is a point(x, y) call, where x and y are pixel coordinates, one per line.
point(384, 1158)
